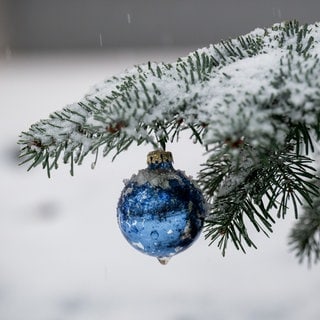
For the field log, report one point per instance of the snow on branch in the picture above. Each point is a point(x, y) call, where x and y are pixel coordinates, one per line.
point(256, 86)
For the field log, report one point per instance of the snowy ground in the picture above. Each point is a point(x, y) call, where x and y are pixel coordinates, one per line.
point(62, 256)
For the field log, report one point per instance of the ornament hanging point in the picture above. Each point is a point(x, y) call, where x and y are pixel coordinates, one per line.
point(164, 260)
point(159, 156)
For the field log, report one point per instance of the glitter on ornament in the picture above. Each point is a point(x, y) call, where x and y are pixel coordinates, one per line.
point(160, 210)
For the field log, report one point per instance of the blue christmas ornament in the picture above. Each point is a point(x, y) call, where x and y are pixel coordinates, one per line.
point(160, 211)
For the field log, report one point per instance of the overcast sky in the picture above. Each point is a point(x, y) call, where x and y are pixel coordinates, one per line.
point(104, 24)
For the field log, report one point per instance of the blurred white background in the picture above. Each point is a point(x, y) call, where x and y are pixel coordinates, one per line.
point(62, 256)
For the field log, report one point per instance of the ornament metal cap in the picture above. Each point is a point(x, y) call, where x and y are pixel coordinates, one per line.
point(159, 156)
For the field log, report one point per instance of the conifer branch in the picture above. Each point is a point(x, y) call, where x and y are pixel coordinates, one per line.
point(304, 238)
point(252, 102)
point(244, 189)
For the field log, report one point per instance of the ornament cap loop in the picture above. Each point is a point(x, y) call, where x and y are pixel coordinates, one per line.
point(159, 156)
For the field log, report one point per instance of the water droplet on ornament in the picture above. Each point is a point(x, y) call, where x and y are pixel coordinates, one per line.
point(164, 260)
point(154, 235)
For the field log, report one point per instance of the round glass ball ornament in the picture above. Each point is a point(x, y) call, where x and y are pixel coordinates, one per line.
point(161, 211)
